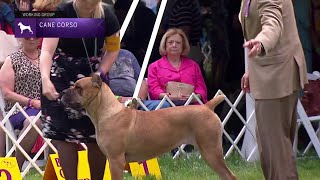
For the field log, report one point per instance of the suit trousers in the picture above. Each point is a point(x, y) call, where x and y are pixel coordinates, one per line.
point(276, 124)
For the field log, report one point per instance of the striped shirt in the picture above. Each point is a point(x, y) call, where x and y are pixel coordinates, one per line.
point(187, 13)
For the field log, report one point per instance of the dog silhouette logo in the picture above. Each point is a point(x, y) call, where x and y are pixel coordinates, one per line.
point(24, 27)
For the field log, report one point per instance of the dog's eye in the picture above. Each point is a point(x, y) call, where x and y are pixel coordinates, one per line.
point(78, 89)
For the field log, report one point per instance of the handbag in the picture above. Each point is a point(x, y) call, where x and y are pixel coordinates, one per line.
point(179, 89)
point(311, 98)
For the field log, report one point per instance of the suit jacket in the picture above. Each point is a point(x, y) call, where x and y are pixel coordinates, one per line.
point(281, 70)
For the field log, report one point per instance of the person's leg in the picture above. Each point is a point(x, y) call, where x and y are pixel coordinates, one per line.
point(274, 131)
point(97, 161)
point(68, 155)
point(153, 104)
point(28, 141)
point(294, 102)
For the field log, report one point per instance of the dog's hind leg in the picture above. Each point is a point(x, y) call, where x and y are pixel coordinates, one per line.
point(213, 155)
point(117, 165)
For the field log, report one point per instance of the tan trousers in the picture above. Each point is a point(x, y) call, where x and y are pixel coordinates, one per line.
point(276, 124)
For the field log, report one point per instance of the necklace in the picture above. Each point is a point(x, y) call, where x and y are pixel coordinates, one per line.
point(176, 65)
point(34, 59)
point(83, 41)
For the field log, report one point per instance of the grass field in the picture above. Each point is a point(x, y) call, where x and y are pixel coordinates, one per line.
point(194, 168)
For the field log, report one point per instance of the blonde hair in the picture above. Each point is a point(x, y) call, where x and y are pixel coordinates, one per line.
point(44, 4)
point(98, 12)
point(171, 32)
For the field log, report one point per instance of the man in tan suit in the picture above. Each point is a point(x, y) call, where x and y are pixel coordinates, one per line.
point(276, 72)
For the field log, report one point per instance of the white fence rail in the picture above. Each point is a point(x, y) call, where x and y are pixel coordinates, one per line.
point(13, 142)
point(233, 109)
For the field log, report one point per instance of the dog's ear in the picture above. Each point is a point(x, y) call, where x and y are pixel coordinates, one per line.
point(96, 80)
point(134, 101)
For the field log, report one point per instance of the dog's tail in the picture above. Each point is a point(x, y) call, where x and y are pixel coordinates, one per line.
point(215, 101)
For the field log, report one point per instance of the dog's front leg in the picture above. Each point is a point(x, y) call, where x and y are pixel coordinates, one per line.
point(117, 165)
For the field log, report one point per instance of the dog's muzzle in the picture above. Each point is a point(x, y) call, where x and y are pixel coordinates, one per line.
point(69, 100)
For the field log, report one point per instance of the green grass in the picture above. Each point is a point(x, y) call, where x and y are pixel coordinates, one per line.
point(194, 168)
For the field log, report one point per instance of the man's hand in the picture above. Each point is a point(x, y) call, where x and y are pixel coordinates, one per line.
point(245, 86)
point(255, 47)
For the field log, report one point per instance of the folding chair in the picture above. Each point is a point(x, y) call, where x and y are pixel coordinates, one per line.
point(304, 120)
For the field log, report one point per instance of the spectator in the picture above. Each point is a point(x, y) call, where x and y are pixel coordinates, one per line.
point(75, 58)
point(124, 73)
point(175, 66)
point(137, 36)
point(302, 11)
point(220, 21)
point(123, 77)
point(185, 14)
point(20, 82)
point(6, 17)
point(9, 43)
point(316, 34)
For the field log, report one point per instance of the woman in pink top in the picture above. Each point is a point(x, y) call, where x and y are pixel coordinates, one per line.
point(175, 66)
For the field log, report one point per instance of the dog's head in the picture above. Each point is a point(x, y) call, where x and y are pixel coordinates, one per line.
point(82, 93)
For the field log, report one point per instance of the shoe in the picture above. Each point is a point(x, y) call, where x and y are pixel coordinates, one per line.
point(189, 148)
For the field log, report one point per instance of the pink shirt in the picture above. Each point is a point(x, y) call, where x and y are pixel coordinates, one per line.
point(161, 71)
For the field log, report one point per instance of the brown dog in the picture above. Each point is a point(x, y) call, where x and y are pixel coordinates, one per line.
point(129, 135)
